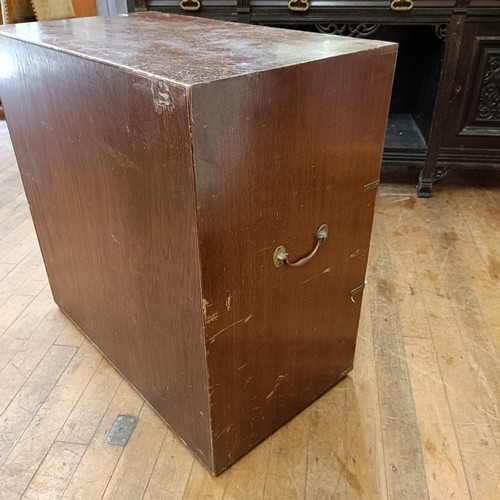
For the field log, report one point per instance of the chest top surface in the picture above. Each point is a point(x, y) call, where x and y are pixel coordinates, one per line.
point(183, 50)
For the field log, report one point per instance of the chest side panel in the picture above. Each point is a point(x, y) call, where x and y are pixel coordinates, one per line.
point(278, 154)
point(105, 159)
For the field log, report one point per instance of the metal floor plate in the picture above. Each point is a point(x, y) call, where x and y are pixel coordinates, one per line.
point(121, 430)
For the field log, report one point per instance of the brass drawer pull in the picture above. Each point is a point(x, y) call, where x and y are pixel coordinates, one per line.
point(401, 5)
point(280, 256)
point(298, 5)
point(191, 5)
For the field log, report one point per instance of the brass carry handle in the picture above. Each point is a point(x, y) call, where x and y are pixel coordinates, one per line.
point(401, 5)
point(191, 5)
point(298, 5)
point(280, 256)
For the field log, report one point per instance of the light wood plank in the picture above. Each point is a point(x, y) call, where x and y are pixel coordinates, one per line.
point(171, 471)
point(88, 412)
point(11, 309)
point(245, 480)
point(17, 370)
point(404, 278)
point(19, 332)
point(25, 458)
point(455, 343)
point(476, 333)
point(26, 403)
point(404, 466)
point(29, 274)
point(480, 254)
point(326, 448)
point(144, 446)
point(365, 391)
point(443, 462)
point(16, 253)
point(286, 475)
point(98, 464)
point(70, 336)
point(18, 203)
point(5, 269)
point(11, 219)
point(23, 235)
point(202, 485)
point(24, 278)
point(54, 473)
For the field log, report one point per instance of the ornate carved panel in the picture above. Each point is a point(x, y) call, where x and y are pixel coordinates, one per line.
point(347, 29)
point(483, 110)
point(488, 108)
point(441, 30)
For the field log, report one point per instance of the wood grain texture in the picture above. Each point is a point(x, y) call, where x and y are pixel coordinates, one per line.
point(402, 451)
point(278, 338)
point(127, 479)
point(344, 454)
point(186, 51)
point(97, 466)
point(158, 223)
point(28, 453)
point(57, 468)
point(105, 216)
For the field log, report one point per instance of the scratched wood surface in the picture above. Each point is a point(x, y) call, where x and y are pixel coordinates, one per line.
point(106, 233)
point(291, 335)
point(159, 195)
point(417, 418)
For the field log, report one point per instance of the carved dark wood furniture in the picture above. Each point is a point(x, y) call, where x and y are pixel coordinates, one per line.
point(445, 110)
point(165, 190)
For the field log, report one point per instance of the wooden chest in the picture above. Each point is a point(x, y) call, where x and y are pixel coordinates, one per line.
point(161, 189)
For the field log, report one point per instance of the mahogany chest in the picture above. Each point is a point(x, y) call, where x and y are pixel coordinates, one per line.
point(173, 193)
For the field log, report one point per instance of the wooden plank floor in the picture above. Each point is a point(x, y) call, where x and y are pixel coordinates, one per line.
point(417, 418)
